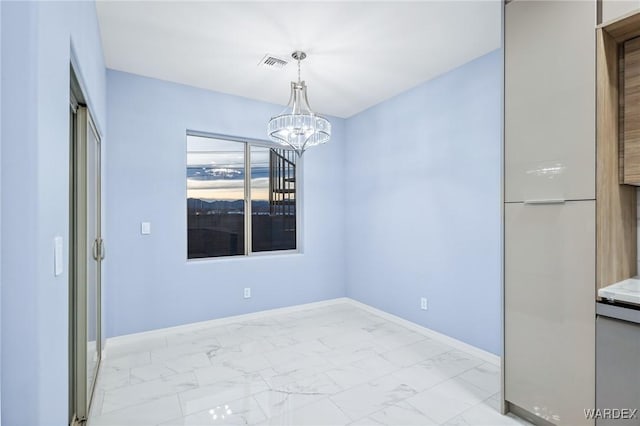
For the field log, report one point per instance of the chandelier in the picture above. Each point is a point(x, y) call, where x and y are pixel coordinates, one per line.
point(297, 127)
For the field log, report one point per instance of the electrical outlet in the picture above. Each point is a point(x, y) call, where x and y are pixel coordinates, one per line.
point(423, 303)
point(247, 292)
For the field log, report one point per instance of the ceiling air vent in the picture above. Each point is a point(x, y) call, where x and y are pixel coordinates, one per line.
point(272, 62)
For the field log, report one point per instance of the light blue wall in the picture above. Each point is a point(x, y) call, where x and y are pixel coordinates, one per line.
point(151, 284)
point(0, 215)
point(423, 203)
point(37, 41)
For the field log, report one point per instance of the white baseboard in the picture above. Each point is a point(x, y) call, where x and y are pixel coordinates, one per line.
point(458, 344)
point(136, 337)
point(133, 337)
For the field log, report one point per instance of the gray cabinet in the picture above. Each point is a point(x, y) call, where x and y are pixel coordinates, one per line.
point(618, 365)
point(549, 359)
point(549, 100)
point(550, 247)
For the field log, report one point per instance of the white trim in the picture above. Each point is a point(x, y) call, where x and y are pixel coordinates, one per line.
point(130, 338)
point(472, 350)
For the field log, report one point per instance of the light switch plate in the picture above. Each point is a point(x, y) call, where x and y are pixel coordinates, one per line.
point(58, 256)
point(145, 228)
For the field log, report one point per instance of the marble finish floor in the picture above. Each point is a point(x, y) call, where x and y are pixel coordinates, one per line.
point(332, 365)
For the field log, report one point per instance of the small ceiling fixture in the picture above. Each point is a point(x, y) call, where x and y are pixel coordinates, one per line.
point(298, 127)
point(272, 62)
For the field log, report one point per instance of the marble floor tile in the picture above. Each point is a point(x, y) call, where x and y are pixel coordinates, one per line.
point(362, 371)
point(306, 348)
point(428, 373)
point(280, 342)
point(365, 422)
point(401, 413)
point(448, 399)
point(111, 377)
point(407, 355)
point(484, 415)
point(332, 365)
point(319, 384)
point(221, 392)
point(232, 339)
point(126, 361)
point(485, 376)
point(299, 364)
point(179, 337)
point(355, 351)
point(150, 372)
point(493, 401)
point(217, 373)
point(312, 332)
point(245, 411)
point(274, 379)
point(248, 364)
point(276, 403)
point(256, 329)
point(288, 355)
point(206, 346)
point(187, 363)
point(320, 413)
point(348, 376)
point(96, 402)
point(366, 399)
point(224, 353)
point(147, 391)
point(393, 335)
point(146, 414)
point(342, 338)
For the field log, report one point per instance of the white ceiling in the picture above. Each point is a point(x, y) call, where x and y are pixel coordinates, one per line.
point(359, 54)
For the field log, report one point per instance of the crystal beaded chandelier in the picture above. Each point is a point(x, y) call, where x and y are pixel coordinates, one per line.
point(298, 127)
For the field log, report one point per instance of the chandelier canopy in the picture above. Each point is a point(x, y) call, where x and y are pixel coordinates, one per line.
point(298, 127)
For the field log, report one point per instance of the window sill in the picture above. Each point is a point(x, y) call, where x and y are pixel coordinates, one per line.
point(259, 255)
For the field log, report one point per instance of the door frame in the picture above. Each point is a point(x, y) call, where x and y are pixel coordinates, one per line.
point(80, 124)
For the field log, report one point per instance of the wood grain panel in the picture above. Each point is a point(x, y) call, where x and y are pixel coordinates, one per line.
point(625, 28)
point(631, 111)
point(620, 114)
point(616, 239)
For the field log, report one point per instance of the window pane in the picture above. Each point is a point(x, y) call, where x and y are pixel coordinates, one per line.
point(215, 197)
point(273, 199)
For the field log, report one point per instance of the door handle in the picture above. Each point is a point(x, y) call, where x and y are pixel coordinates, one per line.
point(94, 249)
point(546, 201)
point(102, 249)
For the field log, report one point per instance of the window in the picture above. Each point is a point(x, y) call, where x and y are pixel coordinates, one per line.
point(241, 198)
